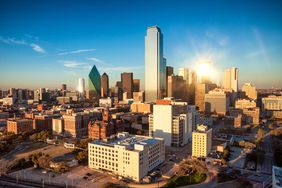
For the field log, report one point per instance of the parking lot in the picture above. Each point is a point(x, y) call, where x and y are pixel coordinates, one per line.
point(80, 176)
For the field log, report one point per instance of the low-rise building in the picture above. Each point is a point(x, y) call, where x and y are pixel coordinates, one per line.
point(127, 156)
point(18, 126)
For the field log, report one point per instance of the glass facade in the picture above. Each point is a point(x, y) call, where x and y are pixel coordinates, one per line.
point(94, 81)
point(155, 65)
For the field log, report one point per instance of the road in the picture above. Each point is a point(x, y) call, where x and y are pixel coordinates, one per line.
point(10, 182)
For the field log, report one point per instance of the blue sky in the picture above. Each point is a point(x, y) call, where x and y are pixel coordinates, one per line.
point(46, 43)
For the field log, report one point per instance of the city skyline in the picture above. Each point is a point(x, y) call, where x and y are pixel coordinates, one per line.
point(115, 42)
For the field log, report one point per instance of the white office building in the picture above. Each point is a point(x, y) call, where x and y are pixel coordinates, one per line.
point(172, 122)
point(127, 156)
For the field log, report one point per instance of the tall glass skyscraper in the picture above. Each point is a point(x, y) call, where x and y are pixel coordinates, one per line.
point(155, 65)
point(94, 81)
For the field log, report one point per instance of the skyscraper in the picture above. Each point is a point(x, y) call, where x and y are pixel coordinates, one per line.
point(127, 84)
point(176, 87)
point(155, 65)
point(81, 86)
point(136, 85)
point(230, 79)
point(104, 85)
point(200, 91)
point(94, 82)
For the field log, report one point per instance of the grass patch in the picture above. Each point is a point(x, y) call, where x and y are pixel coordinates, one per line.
point(177, 181)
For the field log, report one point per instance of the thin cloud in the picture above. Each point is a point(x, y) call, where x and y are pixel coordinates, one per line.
point(96, 60)
point(76, 51)
point(14, 41)
point(37, 48)
point(71, 64)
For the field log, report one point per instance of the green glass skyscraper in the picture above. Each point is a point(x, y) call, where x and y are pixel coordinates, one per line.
point(94, 84)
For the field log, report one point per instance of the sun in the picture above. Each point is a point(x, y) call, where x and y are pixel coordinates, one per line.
point(203, 69)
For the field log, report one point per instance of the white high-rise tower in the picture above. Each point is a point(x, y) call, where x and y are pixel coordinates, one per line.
point(81, 86)
point(155, 68)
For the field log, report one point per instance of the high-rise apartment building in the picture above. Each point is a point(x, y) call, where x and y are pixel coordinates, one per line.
point(200, 91)
point(94, 81)
point(170, 121)
point(155, 66)
point(218, 101)
point(127, 84)
point(250, 91)
point(201, 141)
point(127, 156)
point(104, 85)
point(230, 79)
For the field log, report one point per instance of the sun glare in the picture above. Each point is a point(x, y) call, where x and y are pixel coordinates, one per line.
point(203, 69)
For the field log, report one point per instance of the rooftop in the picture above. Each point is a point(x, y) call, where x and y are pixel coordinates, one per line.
point(127, 140)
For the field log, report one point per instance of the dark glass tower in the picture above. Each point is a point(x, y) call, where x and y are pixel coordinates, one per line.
point(94, 81)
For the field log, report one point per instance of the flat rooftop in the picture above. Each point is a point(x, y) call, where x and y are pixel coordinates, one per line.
point(127, 140)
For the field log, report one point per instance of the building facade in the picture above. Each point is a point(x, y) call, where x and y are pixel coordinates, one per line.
point(155, 67)
point(250, 91)
point(200, 91)
point(76, 124)
point(127, 156)
point(230, 79)
point(127, 84)
point(217, 100)
point(94, 82)
point(104, 85)
point(201, 141)
point(18, 126)
point(170, 121)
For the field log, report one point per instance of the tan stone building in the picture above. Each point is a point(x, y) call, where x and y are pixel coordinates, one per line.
point(76, 124)
point(250, 91)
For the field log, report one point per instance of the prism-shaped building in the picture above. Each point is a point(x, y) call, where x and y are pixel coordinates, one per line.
point(94, 81)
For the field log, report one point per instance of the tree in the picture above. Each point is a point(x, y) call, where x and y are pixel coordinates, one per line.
point(82, 156)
